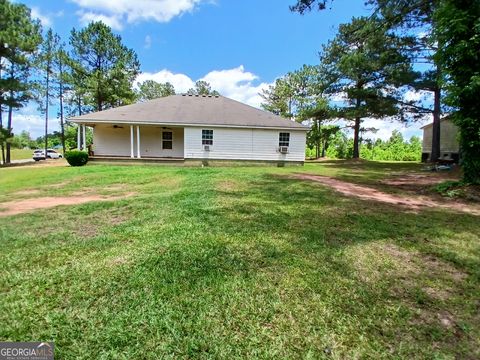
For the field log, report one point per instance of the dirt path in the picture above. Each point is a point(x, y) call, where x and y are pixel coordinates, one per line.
point(29, 205)
point(368, 193)
point(35, 164)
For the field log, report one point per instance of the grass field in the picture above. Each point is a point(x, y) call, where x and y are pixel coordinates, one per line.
point(235, 263)
point(21, 154)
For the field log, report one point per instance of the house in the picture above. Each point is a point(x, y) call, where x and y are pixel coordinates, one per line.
point(449, 146)
point(193, 128)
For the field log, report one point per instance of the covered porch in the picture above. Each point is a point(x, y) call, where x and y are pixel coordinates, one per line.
point(128, 141)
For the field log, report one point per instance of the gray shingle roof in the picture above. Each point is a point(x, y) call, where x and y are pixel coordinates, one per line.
point(191, 110)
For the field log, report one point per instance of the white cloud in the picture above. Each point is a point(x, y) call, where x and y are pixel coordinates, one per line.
point(181, 82)
point(385, 127)
point(29, 118)
point(133, 11)
point(148, 42)
point(113, 21)
point(45, 20)
point(236, 83)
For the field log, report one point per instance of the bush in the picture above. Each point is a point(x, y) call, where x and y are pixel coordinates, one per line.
point(76, 157)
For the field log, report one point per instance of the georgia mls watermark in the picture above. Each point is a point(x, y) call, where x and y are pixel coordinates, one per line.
point(26, 350)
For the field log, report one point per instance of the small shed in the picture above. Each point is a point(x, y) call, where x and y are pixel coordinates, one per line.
point(449, 145)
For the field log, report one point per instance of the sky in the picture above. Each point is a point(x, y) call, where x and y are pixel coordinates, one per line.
point(238, 46)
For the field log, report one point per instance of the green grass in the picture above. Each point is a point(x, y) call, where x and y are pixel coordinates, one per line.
point(235, 263)
point(21, 154)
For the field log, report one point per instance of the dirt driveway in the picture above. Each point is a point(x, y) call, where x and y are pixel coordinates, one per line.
point(363, 192)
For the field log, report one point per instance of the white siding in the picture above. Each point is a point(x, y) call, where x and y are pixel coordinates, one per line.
point(110, 141)
point(244, 144)
point(151, 142)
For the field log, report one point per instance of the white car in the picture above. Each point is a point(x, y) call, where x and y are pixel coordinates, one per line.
point(51, 154)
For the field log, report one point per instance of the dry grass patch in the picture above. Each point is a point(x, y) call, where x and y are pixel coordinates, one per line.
point(16, 207)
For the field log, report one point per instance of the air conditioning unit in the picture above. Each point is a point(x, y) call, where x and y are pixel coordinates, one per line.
point(206, 147)
point(283, 149)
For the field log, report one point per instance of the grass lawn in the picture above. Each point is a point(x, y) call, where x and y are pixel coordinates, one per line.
point(21, 154)
point(235, 263)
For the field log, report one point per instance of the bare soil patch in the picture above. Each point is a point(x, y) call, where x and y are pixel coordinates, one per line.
point(29, 205)
point(27, 192)
point(420, 182)
point(371, 194)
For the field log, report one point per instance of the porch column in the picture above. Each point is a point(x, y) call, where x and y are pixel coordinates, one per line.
point(84, 137)
point(79, 138)
point(132, 155)
point(138, 142)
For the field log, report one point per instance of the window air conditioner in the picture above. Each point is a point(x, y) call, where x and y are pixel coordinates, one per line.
point(283, 149)
point(206, 147)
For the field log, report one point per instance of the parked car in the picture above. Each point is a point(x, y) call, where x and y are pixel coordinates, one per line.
point(51, 154)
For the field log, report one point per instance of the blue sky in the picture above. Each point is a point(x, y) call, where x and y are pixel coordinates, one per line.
point(239, 46)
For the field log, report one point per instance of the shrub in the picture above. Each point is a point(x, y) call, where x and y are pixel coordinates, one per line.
point(76, 157)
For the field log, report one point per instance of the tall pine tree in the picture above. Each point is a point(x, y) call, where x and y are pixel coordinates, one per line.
point(19, 39)
point(103, 68)
point(370, 71)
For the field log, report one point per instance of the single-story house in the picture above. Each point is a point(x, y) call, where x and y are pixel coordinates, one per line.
point(449, 145)
point(193, 127)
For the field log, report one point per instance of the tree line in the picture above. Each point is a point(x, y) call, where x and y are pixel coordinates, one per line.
point(93, 71)
point(417, 46)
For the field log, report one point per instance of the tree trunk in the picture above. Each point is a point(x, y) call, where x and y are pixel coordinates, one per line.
point(9, 132)
point(356, 128)
point(60, 93)
point(79, 103)
point(435, 154)
point(324, 148)
point(47, 94)
point(62, 124)
point(1, 116)
point(356, 138)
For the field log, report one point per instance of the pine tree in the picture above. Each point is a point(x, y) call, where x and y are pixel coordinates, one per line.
point(370, 70)
point(19, 38)
point(103, 69)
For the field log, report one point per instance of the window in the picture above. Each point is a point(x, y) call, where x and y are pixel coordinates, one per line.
point(207, 137)
point(167, 140)
point(284, 139)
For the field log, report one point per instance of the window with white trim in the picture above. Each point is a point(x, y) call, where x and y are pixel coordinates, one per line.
point(284, 139)
point(167, 140)
point(207, 137)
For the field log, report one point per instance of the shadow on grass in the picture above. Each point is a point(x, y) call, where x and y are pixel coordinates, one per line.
point(267, 269)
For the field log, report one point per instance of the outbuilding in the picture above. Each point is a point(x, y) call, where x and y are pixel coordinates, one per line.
point(192, 127)
point(449, 145)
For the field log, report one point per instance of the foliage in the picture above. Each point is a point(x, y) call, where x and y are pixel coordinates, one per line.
point(393, 149)
point(370, 69)
point(458, 32)
point(319, 138)
point(103, 67)
point(151, 89)
point(23, 140)
point(55, 138)
point(341, 147)
point(76, 157)
point(412, 22)
point(202, 88)
point(298, 95)
point(19, 39)
point(45, 65)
